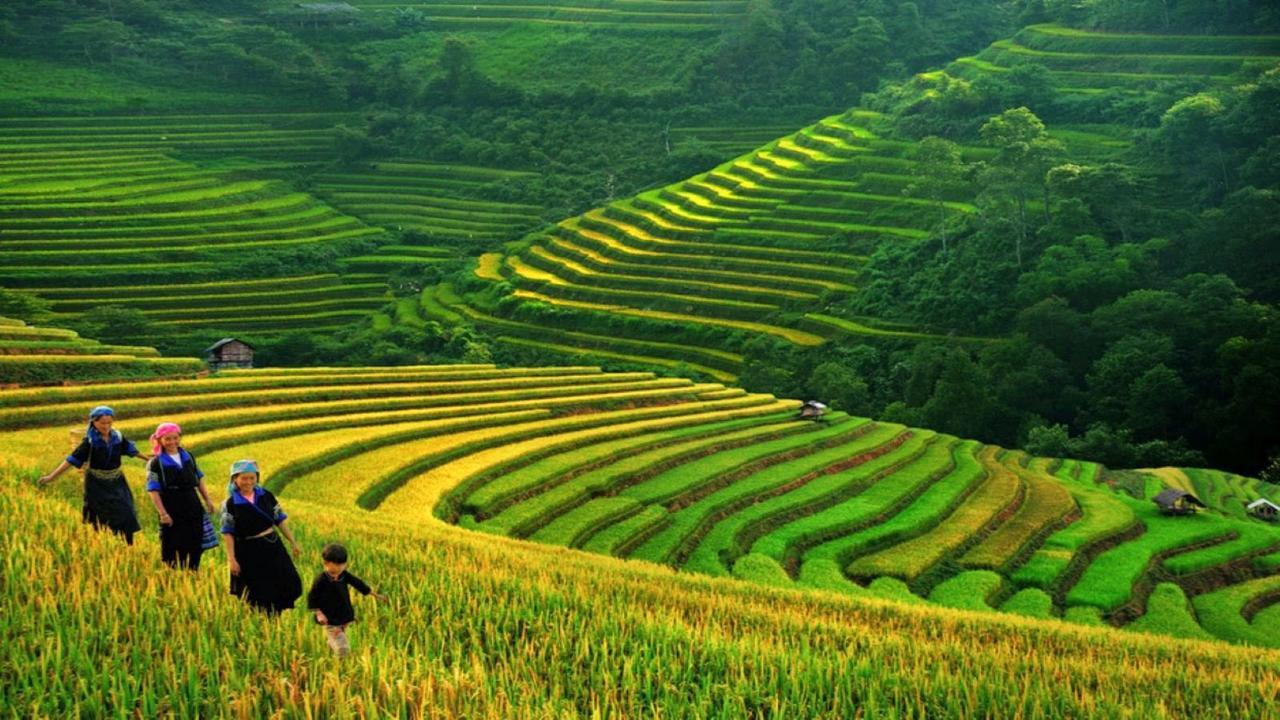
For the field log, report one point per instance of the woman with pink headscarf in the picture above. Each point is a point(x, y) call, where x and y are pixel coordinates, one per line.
point(173, 479)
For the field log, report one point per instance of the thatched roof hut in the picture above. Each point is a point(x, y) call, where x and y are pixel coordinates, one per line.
point(1173, 501)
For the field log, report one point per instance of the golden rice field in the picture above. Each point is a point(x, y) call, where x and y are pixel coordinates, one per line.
point(485, 625)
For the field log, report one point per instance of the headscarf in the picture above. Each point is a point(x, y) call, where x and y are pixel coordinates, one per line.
point(162, 430)
point(95, 437)
point(241, 466)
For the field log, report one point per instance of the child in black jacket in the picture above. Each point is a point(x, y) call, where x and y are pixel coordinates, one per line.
point(331, 600)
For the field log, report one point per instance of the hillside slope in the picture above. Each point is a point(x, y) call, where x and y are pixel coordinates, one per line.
point(774, 243)
point(707, 479)
point(485, 626)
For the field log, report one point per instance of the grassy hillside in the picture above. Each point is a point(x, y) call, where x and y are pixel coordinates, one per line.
point(711, 479)
point(702, 478)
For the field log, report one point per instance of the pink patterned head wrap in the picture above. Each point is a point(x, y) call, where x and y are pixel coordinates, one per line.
point(161, 430)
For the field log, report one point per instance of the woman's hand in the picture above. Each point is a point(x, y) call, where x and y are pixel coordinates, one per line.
point(379, 597)
point(209, 508)
point(297, 551)
point(165, 519)
point(235, 566)
point(320, 618)
point(45, 480)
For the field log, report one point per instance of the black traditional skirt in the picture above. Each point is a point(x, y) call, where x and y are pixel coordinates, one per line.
point(108, 501)
point(267, 580)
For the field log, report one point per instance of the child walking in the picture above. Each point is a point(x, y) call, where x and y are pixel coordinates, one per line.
point(331, 600)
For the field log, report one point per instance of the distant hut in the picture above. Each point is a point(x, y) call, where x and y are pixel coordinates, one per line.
point(812, 410)
point(1264, 509)
point(229, 353)
point(1173, 501)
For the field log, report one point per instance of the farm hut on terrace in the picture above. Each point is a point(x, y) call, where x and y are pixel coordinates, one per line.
point(1173, 501)
point(812, 410)
point(1264, 509)
point(229, 353)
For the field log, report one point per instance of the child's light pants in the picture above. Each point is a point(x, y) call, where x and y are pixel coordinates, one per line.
point(337, 636)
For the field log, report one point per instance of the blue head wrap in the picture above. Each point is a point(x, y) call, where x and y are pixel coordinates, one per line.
point(95, 437)
point(241, 466)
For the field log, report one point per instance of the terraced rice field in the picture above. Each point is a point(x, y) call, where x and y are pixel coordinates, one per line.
point(707, 479)
point(1083, 62)
point(679, 16)
point(481, 627)
point(34, 354)
point(731, 139)
point(261, 307)
point(283, 137)
point(143, 211)
point(762, 244)
point(757, 245)
point(441, 201)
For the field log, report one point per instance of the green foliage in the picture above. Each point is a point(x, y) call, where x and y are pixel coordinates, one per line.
point(1271, 472)
point(1169, 613)
point(22, 306)
point(840, 387)
point(968, 590)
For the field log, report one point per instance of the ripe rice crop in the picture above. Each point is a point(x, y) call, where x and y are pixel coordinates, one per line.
point(486, 626)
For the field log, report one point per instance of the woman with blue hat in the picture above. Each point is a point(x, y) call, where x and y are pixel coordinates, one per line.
point(107, 499)
point(254, 528)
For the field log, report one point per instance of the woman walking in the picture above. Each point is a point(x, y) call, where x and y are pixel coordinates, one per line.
point(252, 527)
point(107, 499)
point(173, 479)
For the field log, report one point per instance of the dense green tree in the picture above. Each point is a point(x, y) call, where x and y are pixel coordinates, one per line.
point(862, 57)
point(22, 306)
point(100, 39)
point(1192, 136)
point(960, 403)
point(1113, 376)
point(1054, 324)
point(938, 169)
point(1018, 172)
point(1088, 273)
point(1157, 403)
point(750, 54)
point(118, 325)
point(840, 387)
point(1117, 194)
point(1028, 379)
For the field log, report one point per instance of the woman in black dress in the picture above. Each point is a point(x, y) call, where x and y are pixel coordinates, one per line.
point(253, 525)
point(107, 499)
point(173, 480)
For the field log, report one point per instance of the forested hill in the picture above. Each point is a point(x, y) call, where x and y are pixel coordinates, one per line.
point(1066, 241)
point(1041, 224)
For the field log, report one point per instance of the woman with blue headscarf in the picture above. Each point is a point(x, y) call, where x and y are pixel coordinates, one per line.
point(254, 530)
point(107, 499)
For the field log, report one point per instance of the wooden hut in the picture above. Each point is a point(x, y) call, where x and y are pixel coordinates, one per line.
point(812, 410)
point(1264, 509)
point(229, 353)
point(1173, 501)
